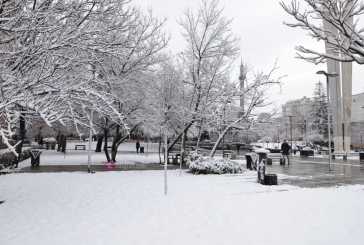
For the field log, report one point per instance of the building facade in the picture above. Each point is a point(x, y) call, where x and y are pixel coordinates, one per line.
point(297, 112)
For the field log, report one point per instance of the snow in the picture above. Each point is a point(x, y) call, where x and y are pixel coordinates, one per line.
point(130, 208)
point(126, 155)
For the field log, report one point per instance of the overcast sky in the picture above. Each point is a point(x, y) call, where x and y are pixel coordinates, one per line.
point(264, 38)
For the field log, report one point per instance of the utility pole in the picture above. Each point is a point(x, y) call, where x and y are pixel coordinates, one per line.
point(290, 122)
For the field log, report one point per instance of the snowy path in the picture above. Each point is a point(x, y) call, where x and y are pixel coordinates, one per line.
point(130, 208)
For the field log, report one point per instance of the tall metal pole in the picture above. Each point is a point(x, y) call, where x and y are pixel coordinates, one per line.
point(165, 162)
point(182, 153)
point(90, 143)
point(285, 120)
point(328, 118)
point(328, 108)
point(223, 138)
point(286, 129)
point(290, 122)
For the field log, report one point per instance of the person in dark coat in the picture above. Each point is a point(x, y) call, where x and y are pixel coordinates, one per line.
point(137, 146)
point(238, 147)
point(285, 147)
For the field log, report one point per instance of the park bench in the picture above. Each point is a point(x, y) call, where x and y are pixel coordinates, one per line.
point(271, 156)
point(323, 152)
point(82, 147)
point(229, 154)
point(339, 154)
point(306, 153)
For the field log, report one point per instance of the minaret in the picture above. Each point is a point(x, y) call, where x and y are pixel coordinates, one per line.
point(242, 79)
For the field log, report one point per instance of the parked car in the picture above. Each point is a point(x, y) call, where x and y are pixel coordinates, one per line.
point(71, 138)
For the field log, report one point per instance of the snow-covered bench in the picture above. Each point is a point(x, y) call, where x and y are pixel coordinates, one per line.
point(271, 156)
point(229, 154)
point(306, 153)
point(339, 154)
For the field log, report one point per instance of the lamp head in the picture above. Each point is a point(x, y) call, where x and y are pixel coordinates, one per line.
point(333, 74)
point(321, 72)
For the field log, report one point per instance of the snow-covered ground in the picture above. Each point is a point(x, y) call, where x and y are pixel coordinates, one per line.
point(130, 208)
point(126, 155)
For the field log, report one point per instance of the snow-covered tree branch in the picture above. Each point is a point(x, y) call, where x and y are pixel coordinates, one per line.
point(346, 44)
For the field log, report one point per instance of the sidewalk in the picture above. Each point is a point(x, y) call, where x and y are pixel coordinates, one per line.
point(303, 171)
point(314, 172)
point(95, 168)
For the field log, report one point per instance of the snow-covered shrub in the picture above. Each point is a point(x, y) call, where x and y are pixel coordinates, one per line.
point(192, 157)
point(5, 158)
point(199, 165)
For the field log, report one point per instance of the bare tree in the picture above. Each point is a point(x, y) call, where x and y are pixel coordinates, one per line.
point(48, 48)
point(256, 95)
point(348, 41)
point(211, 49)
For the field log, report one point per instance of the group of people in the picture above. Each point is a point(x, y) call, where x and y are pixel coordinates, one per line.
point(285, 147)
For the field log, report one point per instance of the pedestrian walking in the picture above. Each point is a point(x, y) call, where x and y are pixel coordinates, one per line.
point(137, 146)
point(238, 147)
point(285, 147)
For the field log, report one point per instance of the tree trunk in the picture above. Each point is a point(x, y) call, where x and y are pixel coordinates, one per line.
point(118, 140)
point(180, 135)
point(63, 143)
point(99, 143)
point(59, 142)
point(114, 147)
point(159, 150)
point(199, 135)
point(183, 146)
point(19, 147)
point(105, 144)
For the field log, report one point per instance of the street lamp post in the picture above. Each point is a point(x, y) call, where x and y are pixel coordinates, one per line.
point(90, 143)
point(361, 138)
point(290, 122)
point(278, 137)
point(328, 108)
point(223, 137)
